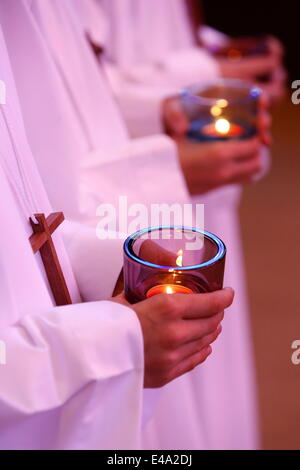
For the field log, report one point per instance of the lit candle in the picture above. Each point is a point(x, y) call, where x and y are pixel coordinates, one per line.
point(171, 288)
point(222, 128)
point(226, 109)
point(168, 289)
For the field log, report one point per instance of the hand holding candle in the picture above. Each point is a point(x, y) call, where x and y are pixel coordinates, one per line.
point(211, 118)
point(217, 151)
point(178, 331)
point(256, 60)
point(235, 49)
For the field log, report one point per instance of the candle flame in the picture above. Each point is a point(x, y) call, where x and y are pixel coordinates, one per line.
point(217, 110)
point(169, 290)
point(222, 103)
point(234, 55)
point(179, 258)
point(222, 126)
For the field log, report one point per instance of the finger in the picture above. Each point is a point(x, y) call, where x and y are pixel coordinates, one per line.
point(190, 330)
point(204, 305)
point(278, 79)
point(279, 75)
point(264, 121)
point(238, 163)
point(275, 91)
point(264, 102)
point(151, 251)
point(258, 66)
point(240, 150)
point(178, 122)
point(172, 357)
point(198, 343)
point(275, 46)
point(275, 88)
point(175, 119)
point(245, 170)
point(248, 180)
point(119, 287)
point(191, 306)
point(247, 164)
point(120, 299)
point(266, 138)
point(189, 363)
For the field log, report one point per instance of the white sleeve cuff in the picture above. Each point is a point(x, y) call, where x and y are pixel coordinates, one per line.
point(96, 263)
point(211, 37)
point(190, 65)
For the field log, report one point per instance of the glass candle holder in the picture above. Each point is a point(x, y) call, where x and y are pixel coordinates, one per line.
point(222, 110)
point(172, 260)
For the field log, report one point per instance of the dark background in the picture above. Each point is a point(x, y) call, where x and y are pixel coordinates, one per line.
point(253, 17)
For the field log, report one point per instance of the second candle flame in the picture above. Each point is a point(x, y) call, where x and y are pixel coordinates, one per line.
point(179, 258)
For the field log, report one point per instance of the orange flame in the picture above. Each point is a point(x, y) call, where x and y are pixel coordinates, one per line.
point(179, 258)
point(169, 290)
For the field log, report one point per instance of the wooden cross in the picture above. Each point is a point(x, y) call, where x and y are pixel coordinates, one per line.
point(41, 240)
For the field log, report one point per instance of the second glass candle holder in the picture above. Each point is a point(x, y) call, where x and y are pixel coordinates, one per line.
point(222, 110)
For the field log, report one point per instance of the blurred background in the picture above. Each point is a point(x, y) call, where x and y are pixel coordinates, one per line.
point(270, 215)
point(238, 18)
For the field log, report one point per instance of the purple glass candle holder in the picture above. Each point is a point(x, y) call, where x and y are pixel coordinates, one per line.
point(172, 260)
point(221, 110)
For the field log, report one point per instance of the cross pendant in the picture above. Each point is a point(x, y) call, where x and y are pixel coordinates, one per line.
point(41, 240)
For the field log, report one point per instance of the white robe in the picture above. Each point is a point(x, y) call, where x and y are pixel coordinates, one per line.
point(81, 129)
point(155, 39)
point(74, 375)
point(82, 148)
point(147, 58)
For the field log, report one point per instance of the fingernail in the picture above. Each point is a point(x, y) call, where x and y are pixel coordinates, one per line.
point(229, 289)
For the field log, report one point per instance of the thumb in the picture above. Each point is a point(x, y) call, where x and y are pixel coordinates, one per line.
point(176, 121)
point(120, 299)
